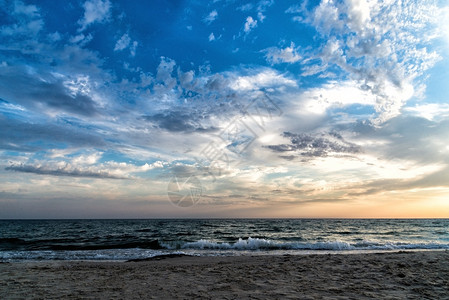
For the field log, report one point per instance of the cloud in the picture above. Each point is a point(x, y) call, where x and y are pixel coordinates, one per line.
point(260, 8)
point(125, 42)
point(85, 165)
point(165, 71)
point(95, 11)
point(436, 179)
point(444, 26)
point(319, 145)
point(122, 43)
point(212, 16)
point(30, 137)
point(33, 91)
point(211, 37)
point(246, 7)
point(179, 122)
point(294, 9)
point(250, 24)
point(264, 4)
point(358, 14)
point(65, 171)
point(260, 79)
point(81, 39)
point(335, 94)
point(133, 48)
point(287, 55)
point(384, 46)
point(66, 109)
point(29, 10)
point(407, 137)
point(28, 21)
point(430, 111)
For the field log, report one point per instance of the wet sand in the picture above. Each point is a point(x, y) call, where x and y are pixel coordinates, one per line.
point(401, 275)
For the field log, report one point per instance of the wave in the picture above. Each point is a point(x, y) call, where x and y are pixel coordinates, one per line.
point(252, 244)
point(8, 244)
point(264, 244)
point(199, 248)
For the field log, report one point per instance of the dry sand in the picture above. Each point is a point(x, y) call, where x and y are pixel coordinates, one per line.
point(403, 275)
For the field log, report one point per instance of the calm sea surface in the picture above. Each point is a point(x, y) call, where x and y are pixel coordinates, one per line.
point(131, 239)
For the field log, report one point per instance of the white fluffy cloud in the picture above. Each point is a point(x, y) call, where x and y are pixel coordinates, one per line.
point(430, 111)
point(261, 79)
point(250, 24)
point(383, 46)
point(289, 54)
point(84, 165)
point(95, 11)
point(29, 10)
point(444, 24)
point(335, 94)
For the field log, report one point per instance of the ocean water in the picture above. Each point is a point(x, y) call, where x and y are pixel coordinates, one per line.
point(135, 239)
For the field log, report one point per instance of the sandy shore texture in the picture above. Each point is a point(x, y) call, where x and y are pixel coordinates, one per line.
point(403, 275)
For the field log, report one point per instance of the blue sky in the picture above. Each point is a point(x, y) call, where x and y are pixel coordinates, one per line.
point(275, 108)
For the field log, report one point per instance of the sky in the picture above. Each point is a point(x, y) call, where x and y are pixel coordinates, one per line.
point(209, 109)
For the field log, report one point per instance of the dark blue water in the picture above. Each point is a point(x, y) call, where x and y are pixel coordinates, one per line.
point(130, 239)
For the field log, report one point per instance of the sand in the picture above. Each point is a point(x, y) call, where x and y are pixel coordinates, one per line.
point(400, 275)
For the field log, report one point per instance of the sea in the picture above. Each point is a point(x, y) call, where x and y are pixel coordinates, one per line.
point(141, 239)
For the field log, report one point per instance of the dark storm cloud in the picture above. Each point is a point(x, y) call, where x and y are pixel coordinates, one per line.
point(319, 145)
point(61, 172)
point(33, 90)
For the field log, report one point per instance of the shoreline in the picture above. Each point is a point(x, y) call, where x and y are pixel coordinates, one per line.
point(226, 253)
point(399, 275)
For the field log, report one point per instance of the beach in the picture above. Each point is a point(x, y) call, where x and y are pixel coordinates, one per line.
point(391, 275)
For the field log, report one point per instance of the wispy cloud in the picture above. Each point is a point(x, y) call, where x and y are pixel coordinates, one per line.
point(122, 43)
point(212, 16)
point(179, 122)
point(125, 42)
point(51, 92)
point(27, 23)
point(30, 137)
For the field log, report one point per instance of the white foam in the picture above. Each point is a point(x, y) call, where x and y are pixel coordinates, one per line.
point(206, 247)
point(264, 244)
